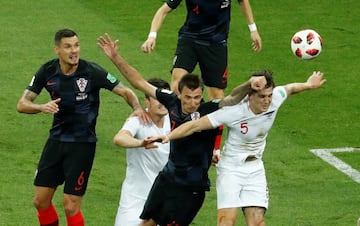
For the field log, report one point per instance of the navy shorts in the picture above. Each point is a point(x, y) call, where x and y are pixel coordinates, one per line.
point(169, 204)
point(68, 162)
point(212, 60)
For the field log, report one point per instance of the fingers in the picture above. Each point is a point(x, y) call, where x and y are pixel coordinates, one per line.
point(145, 118)
point(148, 46)
point(57, 100)
point(258, 83)
point(106, 40)
point(316, 79)
point(150, 142)
point(256, 46)
point(51, 107)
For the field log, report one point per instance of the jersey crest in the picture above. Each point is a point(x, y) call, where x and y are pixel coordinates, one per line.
point(82, 83)
point(195, 115)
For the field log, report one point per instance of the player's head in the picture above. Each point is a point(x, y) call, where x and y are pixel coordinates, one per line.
point(260, 100)
point(153, 105)
point(268, 76)
point(63, 33)
point(191, 92)
point(67, 47)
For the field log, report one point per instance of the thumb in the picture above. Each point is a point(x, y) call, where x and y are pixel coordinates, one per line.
point(57, 100)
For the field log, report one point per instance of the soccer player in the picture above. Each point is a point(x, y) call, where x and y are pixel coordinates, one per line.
point(241, 180)
point(143, 164)
point(203, 40)
point(67, 157)
point(179, 189)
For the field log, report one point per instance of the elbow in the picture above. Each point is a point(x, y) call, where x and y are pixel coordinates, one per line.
point(20, 108)
point(116, 141)
point(119, 142)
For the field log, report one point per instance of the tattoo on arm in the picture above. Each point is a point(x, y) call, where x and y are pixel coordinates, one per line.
point(29, 95)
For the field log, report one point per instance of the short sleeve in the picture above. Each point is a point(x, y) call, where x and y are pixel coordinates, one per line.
point(132, 124)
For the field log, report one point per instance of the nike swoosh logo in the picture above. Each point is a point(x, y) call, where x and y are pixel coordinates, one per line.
point(50, 83)
point(78, 188)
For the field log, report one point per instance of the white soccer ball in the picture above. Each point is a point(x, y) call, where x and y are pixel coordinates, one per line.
point(306, 44)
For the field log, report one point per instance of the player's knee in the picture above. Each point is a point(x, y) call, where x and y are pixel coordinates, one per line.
point(226, 221)
point(71, 204)
point(41, 202)
point(38, 204)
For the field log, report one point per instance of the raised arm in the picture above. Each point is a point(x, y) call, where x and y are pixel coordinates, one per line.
point(128, 95)
point(133, 101)
point(239, 92)
point(26, 104)
point(314, 81)
point(149, 45)
point(254, 34)
point(110, 48)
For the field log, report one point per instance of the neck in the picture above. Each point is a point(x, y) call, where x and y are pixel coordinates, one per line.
point(157, 120)
point(68, 69)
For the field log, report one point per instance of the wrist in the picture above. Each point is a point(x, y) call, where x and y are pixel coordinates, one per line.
point(152, 34)
point(252, 27)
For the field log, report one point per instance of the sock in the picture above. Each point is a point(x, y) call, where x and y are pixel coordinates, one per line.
point(48, 217)
point(218, 138)
point(76, 220)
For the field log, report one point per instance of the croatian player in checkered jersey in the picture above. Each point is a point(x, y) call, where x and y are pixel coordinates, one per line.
point(241, 180)
point(143, 164)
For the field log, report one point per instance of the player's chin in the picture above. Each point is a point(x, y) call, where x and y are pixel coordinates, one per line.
point(74, 63)
point(265, 108)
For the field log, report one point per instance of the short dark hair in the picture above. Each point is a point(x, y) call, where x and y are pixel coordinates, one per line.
point(63, 33)
point(191, 81)
point(158, 83)
point(268, 76)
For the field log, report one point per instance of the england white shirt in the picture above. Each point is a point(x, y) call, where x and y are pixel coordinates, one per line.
point(143, 165)
point(247, 132)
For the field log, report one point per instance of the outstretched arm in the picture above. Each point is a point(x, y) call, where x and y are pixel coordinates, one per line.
point(149, 45)
point(314, 81)
point(110, 48)
point(26, 104)
point(254, 34)
point(184, 130)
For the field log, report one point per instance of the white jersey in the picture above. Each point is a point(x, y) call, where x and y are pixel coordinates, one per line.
point(247, 132)
point(241, 183)
point(143, 165)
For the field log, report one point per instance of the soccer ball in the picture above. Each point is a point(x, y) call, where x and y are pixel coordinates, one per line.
point(306, 44)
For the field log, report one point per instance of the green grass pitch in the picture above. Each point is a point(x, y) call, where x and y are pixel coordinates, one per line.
point(304, 190)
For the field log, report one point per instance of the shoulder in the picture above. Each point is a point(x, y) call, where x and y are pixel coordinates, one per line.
point(279, 96)
point(209, 106)
point(280, 91)
point(89, 66)
point(166, 97)
point(131, 123)
point(50, 65)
